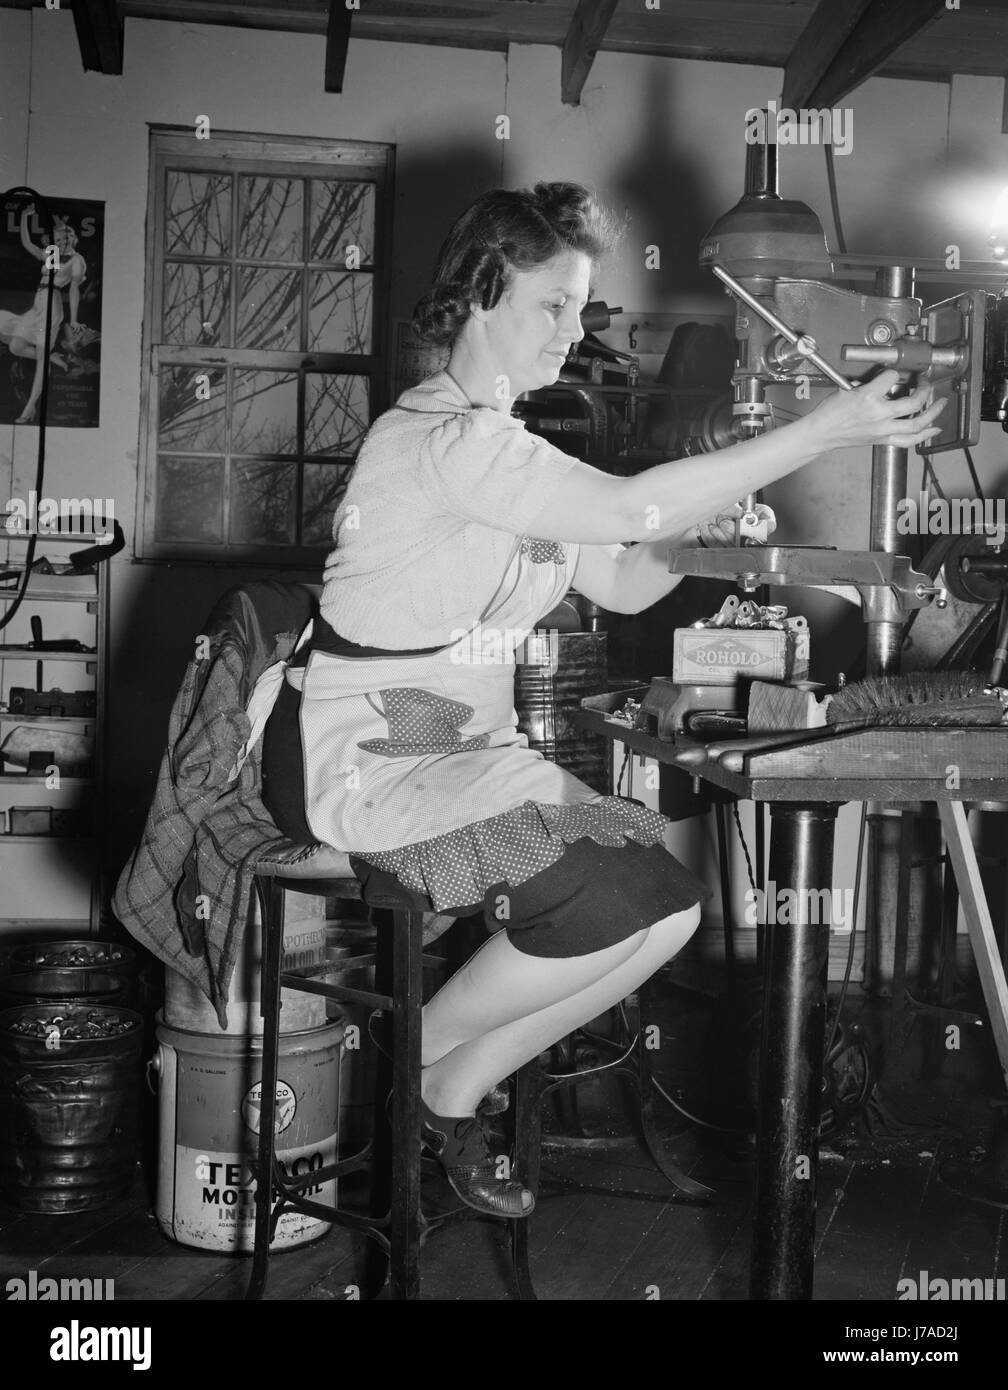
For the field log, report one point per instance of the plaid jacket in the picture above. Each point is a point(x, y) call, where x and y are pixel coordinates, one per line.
point(186, 893)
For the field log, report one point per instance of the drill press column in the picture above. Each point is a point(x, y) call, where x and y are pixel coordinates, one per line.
point(884, 636)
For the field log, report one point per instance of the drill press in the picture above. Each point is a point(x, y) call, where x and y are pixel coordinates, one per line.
point(792, 327)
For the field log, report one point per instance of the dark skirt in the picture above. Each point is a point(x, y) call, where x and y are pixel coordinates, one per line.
point(592, 897)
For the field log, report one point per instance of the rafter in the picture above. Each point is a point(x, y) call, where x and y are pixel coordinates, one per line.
point(99, 35)
point(337, 42)
point(847, 41)
point(587, 30)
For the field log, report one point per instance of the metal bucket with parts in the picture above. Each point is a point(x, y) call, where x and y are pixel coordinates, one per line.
point(92, 972)
point(69, 1105)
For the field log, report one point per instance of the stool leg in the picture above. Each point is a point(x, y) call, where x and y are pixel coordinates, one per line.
point(375, 1257)
point(405, 1216)
point(528, 1151)
point(271, 911)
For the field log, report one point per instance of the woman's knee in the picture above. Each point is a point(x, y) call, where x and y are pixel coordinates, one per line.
point(676, 929)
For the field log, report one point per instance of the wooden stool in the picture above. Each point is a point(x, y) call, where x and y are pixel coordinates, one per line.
point(397, 1222)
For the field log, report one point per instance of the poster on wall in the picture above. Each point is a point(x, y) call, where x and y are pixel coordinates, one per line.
point(75, 327)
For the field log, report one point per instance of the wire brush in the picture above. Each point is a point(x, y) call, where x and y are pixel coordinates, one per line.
point(935, 698)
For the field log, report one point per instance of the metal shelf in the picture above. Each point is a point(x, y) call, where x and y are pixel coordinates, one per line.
point(76, 593)
point(45, 840)
point(38, 779)
point(48, 718)
point(82, 853)
point(29, 654)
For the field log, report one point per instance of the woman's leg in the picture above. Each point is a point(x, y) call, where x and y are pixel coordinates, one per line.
point(505, 1007)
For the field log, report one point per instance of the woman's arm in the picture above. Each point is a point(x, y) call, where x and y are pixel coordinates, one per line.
point(627, 579)
point(26, 240)
point(595, 508)
point(78, 271)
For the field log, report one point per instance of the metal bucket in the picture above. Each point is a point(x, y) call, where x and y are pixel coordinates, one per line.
point(95, 972)
point(210, 1088)
point(69, 1107)
point(545, 698)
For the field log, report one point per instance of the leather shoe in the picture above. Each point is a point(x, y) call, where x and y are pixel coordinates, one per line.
point(459, 1144)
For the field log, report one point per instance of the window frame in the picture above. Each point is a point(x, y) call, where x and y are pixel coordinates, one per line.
point(237, 153)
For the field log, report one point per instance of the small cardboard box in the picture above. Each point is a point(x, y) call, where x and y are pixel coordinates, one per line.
point(720, 655)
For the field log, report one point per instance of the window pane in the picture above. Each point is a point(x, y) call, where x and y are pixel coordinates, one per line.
point(269, 310)
point(337, 413)
point(192, 409)
point(324, 486)
point(263, 501)
point(271, 219)
point(342, 215)
point(339, 312)
point(197, 213)
point(264, 413)
point(196, 301)
point(190, 505)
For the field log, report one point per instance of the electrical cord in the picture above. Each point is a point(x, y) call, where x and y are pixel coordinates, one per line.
point(28, 195)
point(973, 475)
point(834, 200)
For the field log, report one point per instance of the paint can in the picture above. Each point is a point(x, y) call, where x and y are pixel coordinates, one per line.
point(209, 1101)
point(188, 1008)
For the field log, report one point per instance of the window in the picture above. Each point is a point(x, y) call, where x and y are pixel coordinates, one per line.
point(266, 340)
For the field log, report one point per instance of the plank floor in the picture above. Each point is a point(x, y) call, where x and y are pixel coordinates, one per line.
point(605, 1228)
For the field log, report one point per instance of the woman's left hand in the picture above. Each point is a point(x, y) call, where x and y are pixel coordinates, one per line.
point(721, 530)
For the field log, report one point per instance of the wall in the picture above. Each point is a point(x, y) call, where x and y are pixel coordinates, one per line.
point(660, 139)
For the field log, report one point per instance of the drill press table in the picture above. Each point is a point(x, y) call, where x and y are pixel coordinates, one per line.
point(806, 782)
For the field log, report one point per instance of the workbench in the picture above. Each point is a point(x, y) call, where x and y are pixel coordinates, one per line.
point(805, 783)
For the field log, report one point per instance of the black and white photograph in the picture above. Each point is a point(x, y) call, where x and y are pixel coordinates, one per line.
point(503, 671)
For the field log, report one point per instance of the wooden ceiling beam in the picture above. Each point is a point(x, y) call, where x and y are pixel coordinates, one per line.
point(881, 27)
point(99, 35)
point(586, 32)
point(337, 42)
point(821, 40)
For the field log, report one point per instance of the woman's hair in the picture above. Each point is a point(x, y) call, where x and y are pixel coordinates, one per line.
point(59, 225)
point(503, 231)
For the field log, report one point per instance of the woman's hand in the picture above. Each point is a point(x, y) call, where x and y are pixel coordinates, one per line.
point(721, 530)
point(867, 416)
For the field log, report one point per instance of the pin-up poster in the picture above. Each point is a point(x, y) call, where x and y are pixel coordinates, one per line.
point(26, 261)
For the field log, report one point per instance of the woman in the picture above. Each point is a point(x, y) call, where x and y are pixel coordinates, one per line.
point(456, 520)
point(25, 333)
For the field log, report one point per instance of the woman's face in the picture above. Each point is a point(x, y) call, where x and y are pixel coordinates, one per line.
point(538, 317)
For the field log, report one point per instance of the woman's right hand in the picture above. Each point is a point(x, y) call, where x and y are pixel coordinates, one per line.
point(866, 415)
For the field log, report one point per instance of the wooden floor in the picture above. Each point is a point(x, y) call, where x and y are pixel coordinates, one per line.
point(883, 1211)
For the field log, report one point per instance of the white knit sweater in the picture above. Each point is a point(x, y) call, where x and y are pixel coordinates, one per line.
point(424, 532)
